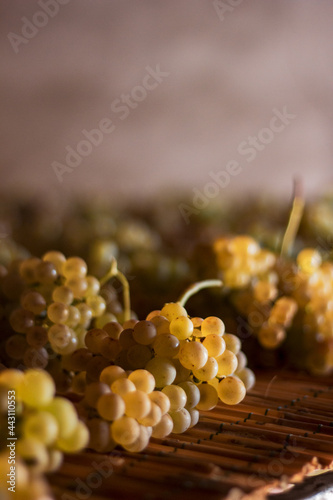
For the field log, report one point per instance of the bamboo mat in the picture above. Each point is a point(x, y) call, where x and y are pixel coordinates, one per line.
point(280, 433)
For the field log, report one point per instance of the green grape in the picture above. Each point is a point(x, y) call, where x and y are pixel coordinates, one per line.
point(75, 441)
point(193, 355)
point(153, 417)
point(192, 394)
point(231, 390)
point(113, 329)
point(227, 363)
point(60, 335)
point(99, 432)
point(125, 430)
point(74, 267)
point(33, 452)
point(144, 332)
point(309, 260)
point(163, 428)
point(208, 371)
point(36, 357)
point(79, 383)
point(56, 258)
point(111, 373)
point(21, 320)
point(122, 386)
point(161, 323)
point(46, 273)
point(58, 312)
point(161, 400)
point(103, 320)
point(176, 395)
point(182, 373)
point(55, 460)
point(110, 348)
point(111, 406)
point(181, 420)
point(208, 397)
point(34, 302)
point(143, 380)
point(195, 415)
point(97, 305)
point(214, 344)
point(37, 388)
point(94, 339)
point(232, 343)
point(16, 346)
point(78, 286)
point(271, 336)
point(42, 426)
point(172, 310)
point(65, 414)
point(73, 317)
point(37, 336)
point(197, 322)
point(141, 442)
point(212, 325)
point(166, 345)
point(63, 294)
point(138, 356)
point(69, 348)
point(137, 404)
point(12, 379)
point(163, 370)
point(93, 286)
point(242, 360)
point(85, 314)
point(153, 314)
point(181, 327)
point(27, 269)
point(247, 377)
point(126, 339)
point(94, 391)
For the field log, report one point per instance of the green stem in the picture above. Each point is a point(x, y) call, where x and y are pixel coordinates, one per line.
point(196, 287)
point(294, 221)
point(115, 273)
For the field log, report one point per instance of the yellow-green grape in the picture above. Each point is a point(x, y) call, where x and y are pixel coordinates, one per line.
point(63, 294)
point(37, 388)
point(208, 397)
point(78, 286)
point(111, 373)
point(163, 370)
point(163, 428)
point(181, 327)
point(153, 417)
point(85, 314)
point(212, 325)
point(232, 343)
point(73, 317)
point(283, 311)
point(96, 304)
point(42, 426)
point(111, 406)
point(161, 399)
point(27, 269)
point(79, 383)
point(55, 460)
point(271, 336)
point(264, 291)
point(208, 371)
point(182, 373)
point(74, 267)
point(195, 415)
point(309, 260)
point(113, 329)
point(143, 380)
point(247, 377)
point(227, 363)
point(33, 452)
point(192, 394)
point(242, 360)
point(125, 430)
point(59, 335)
point(244, 245)
point(138, 356)
point(231, 390)
point(122, 386)
point(172, 310)
point(34, 302)
point(214, 382)
point(181, 420)
point(58, 312)
point(76, 441)
point(214, 344)
point(176, 395)
point(104, 319)
point(46, 273)
point(144, 332)
point(197, 322)
point(65, 414)
point(153, 314)
point(234, 278)
point(69, 348)
point(56, 258)
point(137, 404)
point(162, 324)
point(193, 355)
point(12, 379)
point(166, 345)
point(21, 320)
point(93, 286)
point(141, 442)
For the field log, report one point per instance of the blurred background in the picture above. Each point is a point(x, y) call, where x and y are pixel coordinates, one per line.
point(217, 71)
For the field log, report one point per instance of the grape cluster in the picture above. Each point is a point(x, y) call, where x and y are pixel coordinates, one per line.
point(45, 426)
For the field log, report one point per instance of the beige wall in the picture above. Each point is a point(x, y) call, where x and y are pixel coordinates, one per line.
point(225, 78)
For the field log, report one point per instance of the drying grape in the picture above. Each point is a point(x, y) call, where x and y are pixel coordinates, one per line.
point(144, 332)
point(137, 404)
point(176, 395)
point(208, 371)
point(181, 420)
point(192, 394)
point(112, 373)
point(227, 363)
point(42, 426)
point(208, 397)
point(193, 355)
point(212, 325)
point(215, 344)
point(163, 370)
point(181, 327)
point(232, 343)
point(231, 390)
point(37, 388)
point(173, 310)
point(125, 430)
point(163, 428)
point(111, 406)
point(143, 380)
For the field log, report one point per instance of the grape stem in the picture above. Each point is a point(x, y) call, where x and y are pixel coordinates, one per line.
point(294, 220)
point(196, 287)
point(115, 273)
